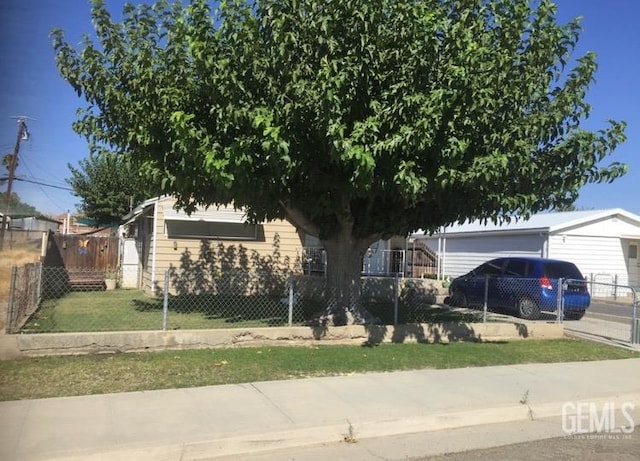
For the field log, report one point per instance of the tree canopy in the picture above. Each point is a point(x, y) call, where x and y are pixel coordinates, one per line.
point(17, 208)
point(353, 120)
point(108, 186)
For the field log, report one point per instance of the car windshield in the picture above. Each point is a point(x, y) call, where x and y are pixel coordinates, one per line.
point(556, 270)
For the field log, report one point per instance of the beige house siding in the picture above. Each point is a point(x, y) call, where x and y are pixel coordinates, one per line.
point(277, 244)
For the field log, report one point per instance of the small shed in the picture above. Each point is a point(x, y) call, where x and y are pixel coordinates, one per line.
point(34, 223)
point(602, 243)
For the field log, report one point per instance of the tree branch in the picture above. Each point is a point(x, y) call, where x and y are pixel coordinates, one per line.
point(295, 217)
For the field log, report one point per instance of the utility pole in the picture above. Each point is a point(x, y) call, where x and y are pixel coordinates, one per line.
point(23, 135)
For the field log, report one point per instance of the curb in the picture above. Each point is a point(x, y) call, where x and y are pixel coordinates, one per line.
point(348, 432)
point(35, 345)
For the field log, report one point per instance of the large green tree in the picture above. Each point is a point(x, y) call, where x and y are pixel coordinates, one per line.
point(108, 185)
point(354, 120)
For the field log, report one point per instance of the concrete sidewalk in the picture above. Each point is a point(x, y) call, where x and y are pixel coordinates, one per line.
point(244, 419)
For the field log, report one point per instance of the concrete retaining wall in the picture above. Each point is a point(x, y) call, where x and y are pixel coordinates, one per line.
point(130, 341)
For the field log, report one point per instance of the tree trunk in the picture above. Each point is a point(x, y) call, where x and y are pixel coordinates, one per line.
point(344, 269)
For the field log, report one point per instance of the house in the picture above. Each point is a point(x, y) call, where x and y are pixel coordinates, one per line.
point(34, 224)
point(76, 224)
point(156, 237)
point(28, 228)
point(602, 243)
point(390, 257)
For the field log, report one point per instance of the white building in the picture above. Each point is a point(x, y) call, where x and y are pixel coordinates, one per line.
point(602, 243)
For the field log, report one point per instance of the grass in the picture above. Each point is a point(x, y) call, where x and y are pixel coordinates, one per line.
point(95, 311)
point(123, 310)
point(98, 374)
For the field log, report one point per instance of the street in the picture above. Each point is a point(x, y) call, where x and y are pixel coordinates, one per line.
point(541, 439)
point(609, 321)
point(611, 311)
point(588, 448)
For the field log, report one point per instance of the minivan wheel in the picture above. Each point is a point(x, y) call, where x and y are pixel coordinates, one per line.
point(528, 309)
point(573, 315)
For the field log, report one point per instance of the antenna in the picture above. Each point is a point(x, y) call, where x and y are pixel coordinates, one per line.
point(21, 119)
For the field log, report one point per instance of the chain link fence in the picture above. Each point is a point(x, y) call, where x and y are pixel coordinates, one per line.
point(527, 298)
point(239, 298)
point(84, 300)
point(612, 315)
point(55, 299)
point(607, 310)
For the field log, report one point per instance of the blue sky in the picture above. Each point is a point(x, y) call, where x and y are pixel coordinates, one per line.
point(31, 86)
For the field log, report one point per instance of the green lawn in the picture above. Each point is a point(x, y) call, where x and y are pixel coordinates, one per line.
point(97, 374)
point(123, 310)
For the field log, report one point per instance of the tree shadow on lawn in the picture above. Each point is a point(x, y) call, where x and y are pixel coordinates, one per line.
point(228, 308)
point(424, 324)
point(274, 311)
point(431, 333)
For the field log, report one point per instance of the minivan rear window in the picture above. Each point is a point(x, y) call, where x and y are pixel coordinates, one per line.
point(517, 267)
point(564, 270)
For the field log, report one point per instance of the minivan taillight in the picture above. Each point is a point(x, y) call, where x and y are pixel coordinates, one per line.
point(545, 282)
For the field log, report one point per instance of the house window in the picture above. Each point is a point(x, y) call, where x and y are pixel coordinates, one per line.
point(210, 230)
point(633, 251)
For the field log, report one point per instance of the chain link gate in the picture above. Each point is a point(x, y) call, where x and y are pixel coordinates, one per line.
point(612, 315)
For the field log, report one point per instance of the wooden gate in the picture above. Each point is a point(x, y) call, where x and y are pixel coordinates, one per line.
point(87, 251)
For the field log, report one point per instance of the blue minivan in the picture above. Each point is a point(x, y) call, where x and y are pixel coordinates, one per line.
point(524, 285)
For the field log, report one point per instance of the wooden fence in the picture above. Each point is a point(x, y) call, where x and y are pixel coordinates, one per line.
point(25, 293)
point(82, 251)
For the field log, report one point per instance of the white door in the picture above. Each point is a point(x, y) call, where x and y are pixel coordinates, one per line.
point(130, 261)
point(632, 264)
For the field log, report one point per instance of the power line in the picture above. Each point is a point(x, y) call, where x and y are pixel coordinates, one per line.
point(34, 179)
point(39, 183)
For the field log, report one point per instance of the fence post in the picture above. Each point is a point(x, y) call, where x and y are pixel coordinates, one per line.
point(290, 302)
point(396, 292)
point(12, 296)
point(38, 291)
point(615, 286)
point(635, 321)
point(165, 303)
point(560, 302)
point(486, 298)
